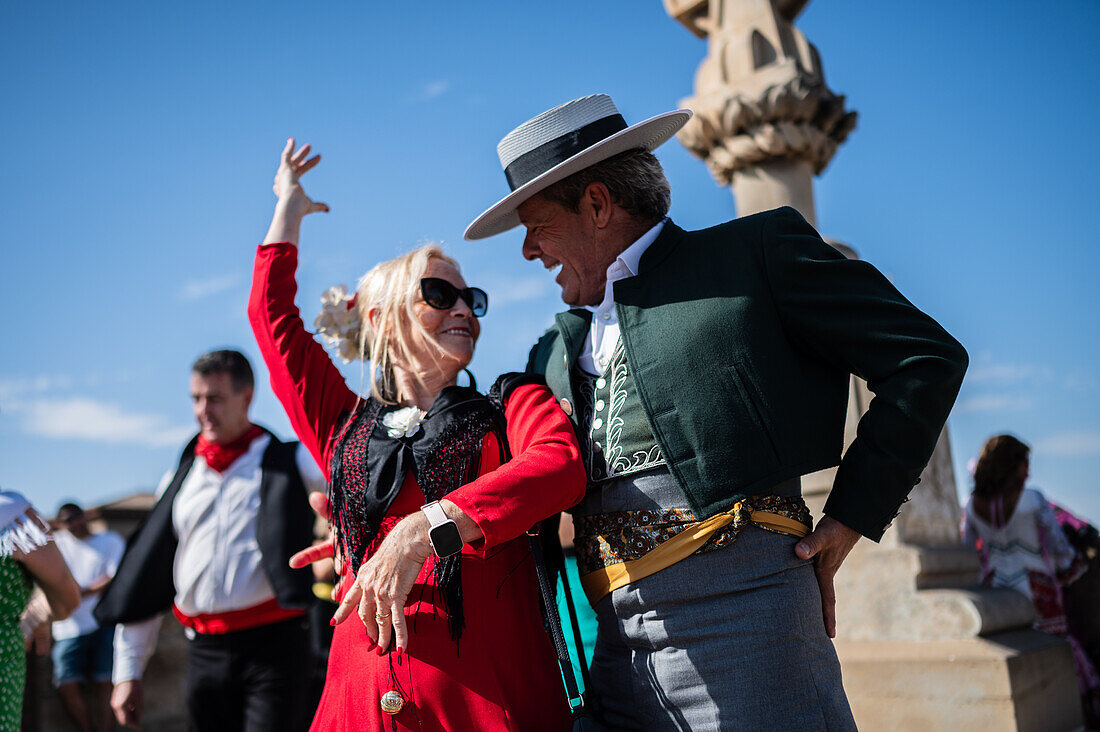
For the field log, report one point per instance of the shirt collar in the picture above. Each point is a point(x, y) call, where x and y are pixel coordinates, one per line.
point(626, 265)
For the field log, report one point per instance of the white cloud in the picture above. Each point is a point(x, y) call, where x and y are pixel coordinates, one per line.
point(1006, 373)
point(198, 289)
point(995, 403)
point(17, 387)
point(1070, 444)
point(1081, 381)
point(79, 418)
point(431, 90)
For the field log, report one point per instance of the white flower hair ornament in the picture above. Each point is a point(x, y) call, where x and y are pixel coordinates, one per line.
point(338, 323)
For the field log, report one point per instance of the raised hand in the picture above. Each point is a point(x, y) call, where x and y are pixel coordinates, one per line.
point(294, 204)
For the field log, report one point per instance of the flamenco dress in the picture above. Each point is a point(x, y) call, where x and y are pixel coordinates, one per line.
point(478, 656)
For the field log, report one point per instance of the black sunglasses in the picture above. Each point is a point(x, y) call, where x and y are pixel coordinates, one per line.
point(442, 295)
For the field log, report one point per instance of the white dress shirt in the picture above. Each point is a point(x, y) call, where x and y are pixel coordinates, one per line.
point(218, 566)
point(603, 336)
point(90, 561)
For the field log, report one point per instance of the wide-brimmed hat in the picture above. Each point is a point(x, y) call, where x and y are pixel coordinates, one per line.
point(562, 141)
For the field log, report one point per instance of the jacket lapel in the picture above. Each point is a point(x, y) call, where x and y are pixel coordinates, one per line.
point(572, 326)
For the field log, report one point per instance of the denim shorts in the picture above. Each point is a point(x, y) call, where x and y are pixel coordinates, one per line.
point(84, 658)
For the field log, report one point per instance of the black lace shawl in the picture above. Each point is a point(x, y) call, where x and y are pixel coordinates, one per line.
point(369, 467)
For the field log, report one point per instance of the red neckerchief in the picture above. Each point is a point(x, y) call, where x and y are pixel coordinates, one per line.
point(220, 457)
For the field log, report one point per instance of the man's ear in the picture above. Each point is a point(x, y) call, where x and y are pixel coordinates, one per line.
point(248, 392)
point(597, 201)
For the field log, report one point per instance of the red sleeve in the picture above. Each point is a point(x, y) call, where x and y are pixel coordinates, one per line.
point(312, 390)
point(544, 476)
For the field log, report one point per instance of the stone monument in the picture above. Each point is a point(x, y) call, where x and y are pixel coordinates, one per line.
point(921, 646)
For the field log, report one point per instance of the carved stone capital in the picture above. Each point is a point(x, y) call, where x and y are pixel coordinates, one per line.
point(795, 118)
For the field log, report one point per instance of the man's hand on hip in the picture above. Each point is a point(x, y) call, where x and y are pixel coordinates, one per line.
point(127, 702)
point(827, 545)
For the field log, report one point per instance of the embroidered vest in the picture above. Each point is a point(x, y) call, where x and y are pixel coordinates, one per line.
point(618, 439)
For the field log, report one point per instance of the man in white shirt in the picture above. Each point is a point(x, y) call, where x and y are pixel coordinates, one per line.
point(215, 550)
point(82, 650)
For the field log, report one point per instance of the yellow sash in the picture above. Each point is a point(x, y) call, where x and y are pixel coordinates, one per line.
point(612, 577)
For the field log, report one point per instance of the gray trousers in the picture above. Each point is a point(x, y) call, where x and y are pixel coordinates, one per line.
point(728, 640)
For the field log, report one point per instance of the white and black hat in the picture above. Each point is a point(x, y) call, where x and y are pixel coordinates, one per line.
point(562, 141)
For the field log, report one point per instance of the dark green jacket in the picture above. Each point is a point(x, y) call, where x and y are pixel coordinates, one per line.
point(741, 339)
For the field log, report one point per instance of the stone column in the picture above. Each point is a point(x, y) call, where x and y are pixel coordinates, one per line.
point(765, 122)
point(920, 645)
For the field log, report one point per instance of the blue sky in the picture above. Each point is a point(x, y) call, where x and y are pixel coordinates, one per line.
point(141, 139)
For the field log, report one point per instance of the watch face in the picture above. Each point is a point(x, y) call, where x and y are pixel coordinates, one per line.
point(445, 539)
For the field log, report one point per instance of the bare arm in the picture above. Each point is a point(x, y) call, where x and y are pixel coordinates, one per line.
point(48, 568)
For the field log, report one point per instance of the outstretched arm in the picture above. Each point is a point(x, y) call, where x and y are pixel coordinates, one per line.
point(303, 377)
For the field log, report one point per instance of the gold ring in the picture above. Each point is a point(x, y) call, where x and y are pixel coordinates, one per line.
point(381, 617)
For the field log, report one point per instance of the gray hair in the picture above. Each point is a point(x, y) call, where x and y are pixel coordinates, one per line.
point(635, 179)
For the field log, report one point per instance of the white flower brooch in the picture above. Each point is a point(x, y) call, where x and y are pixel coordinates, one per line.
point(403, 422)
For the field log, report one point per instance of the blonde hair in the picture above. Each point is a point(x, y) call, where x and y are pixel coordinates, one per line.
point(391, 287)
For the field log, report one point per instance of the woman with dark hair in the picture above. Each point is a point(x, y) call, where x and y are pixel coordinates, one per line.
point(1021, 546)
point(439, 624)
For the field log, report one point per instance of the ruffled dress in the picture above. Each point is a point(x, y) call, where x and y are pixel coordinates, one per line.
point(1028, 552)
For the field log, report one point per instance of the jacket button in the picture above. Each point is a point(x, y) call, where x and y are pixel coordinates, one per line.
point(566, 407)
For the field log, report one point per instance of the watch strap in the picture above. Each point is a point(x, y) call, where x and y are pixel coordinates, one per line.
point(435, 513)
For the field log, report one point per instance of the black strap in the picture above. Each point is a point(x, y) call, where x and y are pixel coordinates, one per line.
point(553, 621)
point(498, 395)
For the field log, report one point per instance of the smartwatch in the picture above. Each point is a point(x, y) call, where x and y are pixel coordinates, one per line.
point(443, 533)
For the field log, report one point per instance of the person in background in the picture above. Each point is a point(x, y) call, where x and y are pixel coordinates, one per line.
point(83, 652)
point(27, 553)
point(215, 550)
point(1022, 546)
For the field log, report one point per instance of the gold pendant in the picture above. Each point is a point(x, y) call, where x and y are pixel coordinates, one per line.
point(392, 702)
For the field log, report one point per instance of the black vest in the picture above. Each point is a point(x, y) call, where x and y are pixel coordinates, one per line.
point(144, 585)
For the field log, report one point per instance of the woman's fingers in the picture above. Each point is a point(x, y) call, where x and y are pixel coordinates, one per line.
point(367, 610)
point(348, 604)
point(383, 622)
point(299, 156)
point(400, 629)
point(308, 165)
point(312, 554)
point(288, 150)
point(317, 207)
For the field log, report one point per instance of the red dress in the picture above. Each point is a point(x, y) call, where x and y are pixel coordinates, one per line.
point(503, 674)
